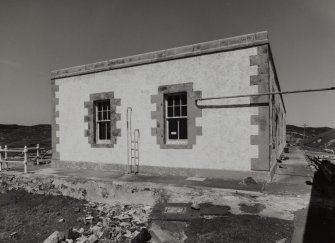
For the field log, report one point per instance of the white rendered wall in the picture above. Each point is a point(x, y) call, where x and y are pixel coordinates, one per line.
point(225, 140)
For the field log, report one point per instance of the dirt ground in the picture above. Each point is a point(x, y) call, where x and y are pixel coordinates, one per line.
point(32, 218)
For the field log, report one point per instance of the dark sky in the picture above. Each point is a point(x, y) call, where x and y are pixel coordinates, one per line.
point(38, 36)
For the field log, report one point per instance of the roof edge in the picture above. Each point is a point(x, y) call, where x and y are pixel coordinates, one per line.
point(226, 44)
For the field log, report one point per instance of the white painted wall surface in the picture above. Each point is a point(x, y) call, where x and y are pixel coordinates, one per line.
point(225, 140)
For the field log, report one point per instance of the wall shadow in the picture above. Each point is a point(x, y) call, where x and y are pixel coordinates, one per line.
point(320, 221)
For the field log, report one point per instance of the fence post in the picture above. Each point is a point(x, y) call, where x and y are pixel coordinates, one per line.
point(25, 159)
point(6, 148)
point(0, 158)
point(37, 154)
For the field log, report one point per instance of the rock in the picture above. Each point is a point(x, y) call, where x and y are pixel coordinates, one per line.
point(146, 209)
point(248, 181)
point(73, 234)
point(89, 218)
point(142, 237)
point(81, 219)
point(125, 224)
point(281, 241)
point(82, 239)
point(127, 234)
point(69, 241)
point(61, 220)
point(13, 234)
point(81, 231)
point(55, 237)
point(77, 210)
point(97, 230)
point(195, 206)
point(93, 239)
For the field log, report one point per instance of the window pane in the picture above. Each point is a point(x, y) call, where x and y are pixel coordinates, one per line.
point(183, 128)
point(99, 115)
point(170, 100)
point(170, 111)
point(99, 106)
point(104, 117)
point(177, 99)
point(108, 130)
point(184, 99)
point(102, 130)
point(108, 115)
point(106, 105)
point(184, 110)
point(177, 111)
point(173, 128)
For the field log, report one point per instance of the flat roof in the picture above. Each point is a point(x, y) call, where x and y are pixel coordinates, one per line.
point(226, 44)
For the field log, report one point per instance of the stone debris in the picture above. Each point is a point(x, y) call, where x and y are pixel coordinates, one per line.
point(141, 237)
point(61, 221)
point(103, 223)
point(248, 181)
point(195, 206)
point(55, 237)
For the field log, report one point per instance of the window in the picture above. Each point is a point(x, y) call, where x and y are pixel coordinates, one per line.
point(176, 118)
point(103, 121)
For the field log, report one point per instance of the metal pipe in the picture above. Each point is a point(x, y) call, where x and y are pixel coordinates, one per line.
point(270, 93)
point(129, 110)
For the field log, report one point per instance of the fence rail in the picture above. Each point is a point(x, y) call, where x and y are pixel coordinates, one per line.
point(22, 156)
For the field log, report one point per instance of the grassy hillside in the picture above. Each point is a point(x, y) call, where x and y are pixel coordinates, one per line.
point(19, 136)
point(316, 137)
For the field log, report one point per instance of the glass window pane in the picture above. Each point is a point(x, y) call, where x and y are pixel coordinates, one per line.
point(184, 99)
point(183, 128)
point(170, 100)
point(104, 115)
point(108, 115)
point(102, 130)
point(170, 111)
point(99, 115)
point(177, 111)
point(107, 104)
point(99, 106)
point(173, 128)
point(108, 130)
point(184, 110)
point(177, 99)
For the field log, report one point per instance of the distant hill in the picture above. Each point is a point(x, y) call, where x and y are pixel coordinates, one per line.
point(19, 136)
point(316, 137)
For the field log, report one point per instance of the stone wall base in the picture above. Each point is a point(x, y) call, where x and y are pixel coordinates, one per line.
point(168, 171)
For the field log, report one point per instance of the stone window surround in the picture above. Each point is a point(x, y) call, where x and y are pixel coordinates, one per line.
point(90, 119)
point(192, 112)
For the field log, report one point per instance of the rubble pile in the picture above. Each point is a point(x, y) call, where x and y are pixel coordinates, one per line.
point(107, 224)
point(326, 164)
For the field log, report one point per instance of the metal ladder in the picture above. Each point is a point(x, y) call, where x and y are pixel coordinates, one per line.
point(133, 152)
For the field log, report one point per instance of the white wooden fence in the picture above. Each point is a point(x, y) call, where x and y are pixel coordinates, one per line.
point(22, 156)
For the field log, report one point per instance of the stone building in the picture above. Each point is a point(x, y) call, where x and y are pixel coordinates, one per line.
point(179, 134)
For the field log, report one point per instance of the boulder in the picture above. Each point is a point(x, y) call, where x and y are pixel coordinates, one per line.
point(55, 237)
point(143, 237)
